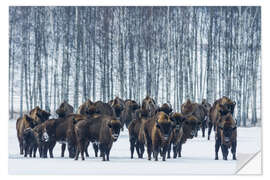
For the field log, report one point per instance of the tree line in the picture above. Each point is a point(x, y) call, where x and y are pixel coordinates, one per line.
point(169, 53)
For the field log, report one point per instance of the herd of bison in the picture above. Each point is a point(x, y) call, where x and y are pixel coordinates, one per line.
point(156, 128)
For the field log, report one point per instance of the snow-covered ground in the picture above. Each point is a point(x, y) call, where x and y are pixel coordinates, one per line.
point(197, 158)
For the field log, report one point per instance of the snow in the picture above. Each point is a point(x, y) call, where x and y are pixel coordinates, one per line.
point(197, 158)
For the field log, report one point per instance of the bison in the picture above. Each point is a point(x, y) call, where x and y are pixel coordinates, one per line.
point(87, 108)
point(226, 136)
point(128, 113)
point(166, 107)
point(150, 105)
point(64, 109)
point(219, 105)
point(157, 131)
point(134, 131)
point(103, 129)
point(118, 106)
point(39, 115)
point(175, 137)
point(199, 111)
point(188, 130)
point(23, 123)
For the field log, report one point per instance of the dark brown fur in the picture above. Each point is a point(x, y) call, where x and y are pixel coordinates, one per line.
point(166, 107)
point(64, 109)
point(22, 124)
point(188, 130)
point(157, 131)
point(150, 105)
point(226, 136)
point(224, 105)
point(102, 129)
point(39, 115)
point(129, 112)
point(87, 108)
point(134, 131)
point(118, 105)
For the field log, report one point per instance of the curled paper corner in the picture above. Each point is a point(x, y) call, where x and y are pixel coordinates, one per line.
point(249, 164)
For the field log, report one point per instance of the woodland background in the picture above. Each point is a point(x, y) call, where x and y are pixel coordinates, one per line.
point(169, 53)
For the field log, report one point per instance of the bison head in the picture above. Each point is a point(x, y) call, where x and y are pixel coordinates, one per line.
point(190, 126)
point(165, 125)
point(177, 120)
point(114, 126)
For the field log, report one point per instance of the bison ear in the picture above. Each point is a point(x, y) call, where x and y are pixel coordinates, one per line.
point(109, 125)
point(29, 119)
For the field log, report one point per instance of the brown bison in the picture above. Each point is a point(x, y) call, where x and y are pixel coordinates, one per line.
point(176, 135)
point(87, 108)
point(188, 130)
point(157, 131)
point(222, 104)
point(64, 109)
point(128, 113)
point(226, 136)
point(134, 131)
point(39, 115)
point(30, 142)
point(118, 106)
point(150, 105)
point(103, 129)
point(199, 111)
point(62, 131)
point(25, 122)
point(40, 137)
point(166, 107)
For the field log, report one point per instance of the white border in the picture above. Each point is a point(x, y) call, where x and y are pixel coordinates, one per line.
point(4, 68)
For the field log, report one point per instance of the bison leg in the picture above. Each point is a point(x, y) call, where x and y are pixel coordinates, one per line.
point(63, 148)
point(233, 150)
point(224, 149)
point(203, 128)
point(102, 151)
point(156, 151)
point(51, 146)
point(108, 153)
point(21, 148)
point(138, 149)
point(77, 153)
point(132, 145)
point(149, 150)
point(169, 151)
point(175, 148)
point(180, 150)
point(210, 125)
point(81, 147)
point(164, 152)
point(35, 151)
point(217, 146)
point(95, 147)
point(86, 149)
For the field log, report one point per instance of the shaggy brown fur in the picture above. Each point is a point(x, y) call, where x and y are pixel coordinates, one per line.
point(157, 131)
point(39, 115)
point(199, 111)
point(118, 105)
point(166, 107)
point(223, 105)
point(226, 136)
point(103, 129)
point(87, 108)
point(64, 109)
point(150, 105)
point(23, 123)
point(129, 112)
point(188, 130)
point(175, 137)
point(134, 131)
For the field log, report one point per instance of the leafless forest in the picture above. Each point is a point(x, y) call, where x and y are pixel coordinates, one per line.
point(169, 53)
